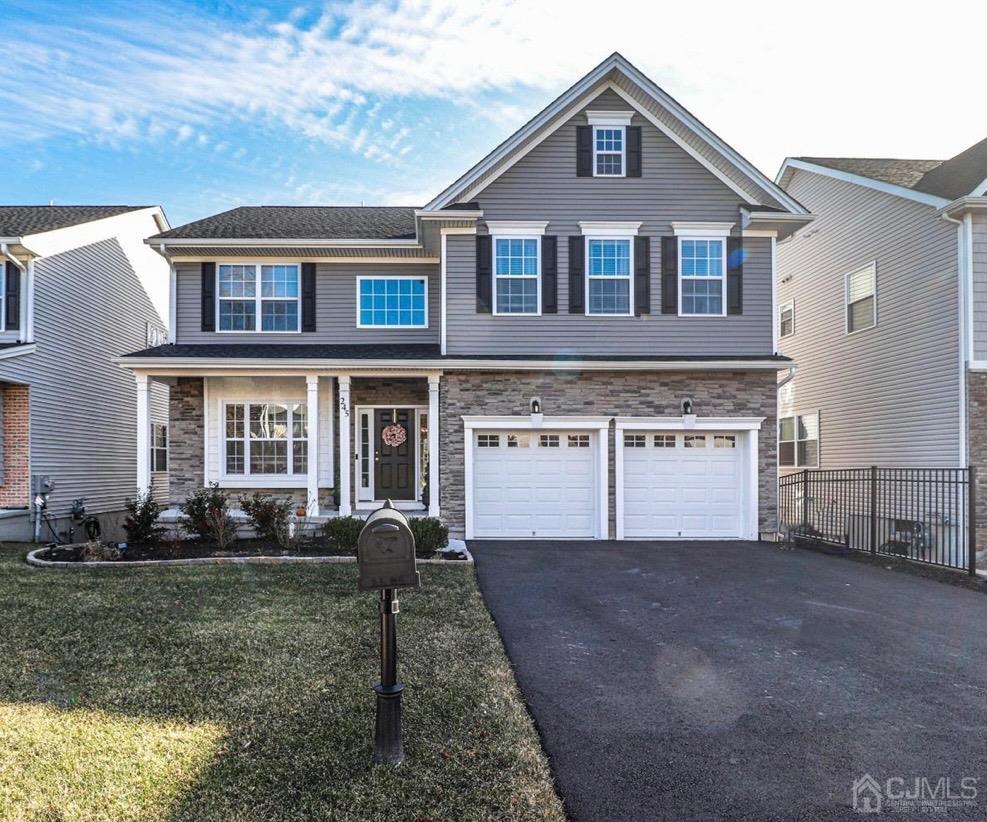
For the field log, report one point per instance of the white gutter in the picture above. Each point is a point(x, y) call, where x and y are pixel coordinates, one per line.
point(448, 214)
point(787, 379)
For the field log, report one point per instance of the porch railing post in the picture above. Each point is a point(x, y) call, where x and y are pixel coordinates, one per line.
point(971, 519)
point(873, 509)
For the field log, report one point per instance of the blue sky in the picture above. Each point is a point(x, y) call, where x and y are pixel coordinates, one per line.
point(201, 106)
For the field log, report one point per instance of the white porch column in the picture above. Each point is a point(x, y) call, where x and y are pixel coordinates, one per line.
point(312, 487)
point(433, 445)
point(143, 433)
point(345, 452)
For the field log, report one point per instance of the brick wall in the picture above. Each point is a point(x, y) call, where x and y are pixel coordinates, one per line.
point(977, 445)
point(656, 394)
point(16, 489)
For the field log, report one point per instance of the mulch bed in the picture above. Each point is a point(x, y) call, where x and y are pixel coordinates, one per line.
point(196, 549)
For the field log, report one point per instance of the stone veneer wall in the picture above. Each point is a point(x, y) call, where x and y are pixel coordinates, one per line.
point(977, 446)
point(186, 429)
point(654, 394)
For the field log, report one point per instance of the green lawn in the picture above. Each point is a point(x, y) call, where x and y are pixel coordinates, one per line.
point(243, 692)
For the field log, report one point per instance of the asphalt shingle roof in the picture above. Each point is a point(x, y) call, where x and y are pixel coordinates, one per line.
point(898, 172)
point(20, 220)
point(302, 223)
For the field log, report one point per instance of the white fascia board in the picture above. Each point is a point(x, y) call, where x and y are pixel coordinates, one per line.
point(963, 204)
point(866, 182)
point(220, 242)
point(694, 229)
point(448, 214)
point(521, 228)
point(609, 228)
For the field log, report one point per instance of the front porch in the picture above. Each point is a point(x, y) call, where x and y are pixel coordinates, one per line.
point(336, 444)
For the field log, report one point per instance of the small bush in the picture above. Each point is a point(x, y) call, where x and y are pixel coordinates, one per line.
point(341, 533)
point(430, 534)
point(269, 516)
point(206, 515)
point(141, 522)
point(96, 551)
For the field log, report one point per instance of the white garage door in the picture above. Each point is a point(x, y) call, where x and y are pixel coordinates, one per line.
point(682, 485)
point(534, 484)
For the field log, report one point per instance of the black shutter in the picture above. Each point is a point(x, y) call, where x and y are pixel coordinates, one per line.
point(584, 151)
point(209, 296)
point(484, 283)
point(669, 275)
point(735, 275)
point(549, 275)
point(577, 277)
point(12, 298)
point(633, 151)
point(308, 297)
point(642, 276)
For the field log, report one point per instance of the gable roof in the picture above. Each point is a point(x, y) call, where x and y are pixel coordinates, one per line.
point(301, 223)
point(958, 176)
point(897, 172)
point(651, 102)
point(21, 221)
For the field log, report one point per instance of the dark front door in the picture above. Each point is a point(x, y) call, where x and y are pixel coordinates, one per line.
point(394, 453)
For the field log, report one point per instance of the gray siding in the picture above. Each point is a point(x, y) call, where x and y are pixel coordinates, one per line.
point(543, 186)
point(979, 285)
point(888, 395)
point(335, 307)
point(89, 307)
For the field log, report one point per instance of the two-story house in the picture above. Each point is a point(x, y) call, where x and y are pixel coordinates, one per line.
point(574, 339)
point(883, 304)
point(78, 288)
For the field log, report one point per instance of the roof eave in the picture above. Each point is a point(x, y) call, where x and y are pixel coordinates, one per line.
point(283, 242)
point(963, 204)
point(793, 164)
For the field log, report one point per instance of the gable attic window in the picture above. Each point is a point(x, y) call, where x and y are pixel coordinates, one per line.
point(609, 142)
point(861, 299)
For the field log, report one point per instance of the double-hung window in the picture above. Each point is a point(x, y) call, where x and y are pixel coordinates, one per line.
point(608, 276)
point(861, 299)
point(258, 297)
point(798, 441)
point(159, 446)
point(516, 266)
point(786, 320)
point(609, 150)
point(392, 302)
point(265, 438)
point(702, 276)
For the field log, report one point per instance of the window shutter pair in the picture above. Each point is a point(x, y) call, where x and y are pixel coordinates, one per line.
point(12, 298)
point(584, 151)
point(670, 275)
point(549, 274)
point(208, 297)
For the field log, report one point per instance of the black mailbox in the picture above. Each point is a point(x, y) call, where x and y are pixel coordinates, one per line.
point(385, 551)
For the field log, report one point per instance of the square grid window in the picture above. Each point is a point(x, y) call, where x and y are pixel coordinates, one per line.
point(516, 275)
point(159, 447)
point(664, 440)
point(701, 276)
point(798, 441)
point(548, 441)
point(266, 438)
point(608, 280)
point(724, 441)
point(246, 293)
point(635, 441)
point(786, 322)
point(694, 441)
point(608, 144)
point(488, 440)
point(861, 299)
point(578, 440)
point(392, 302)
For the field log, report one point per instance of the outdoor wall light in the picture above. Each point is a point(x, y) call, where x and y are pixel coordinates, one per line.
point(686, 406)
point(536, 414)
point(688, 418)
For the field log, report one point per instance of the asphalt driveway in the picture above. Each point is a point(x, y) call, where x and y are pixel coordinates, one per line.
point(737, 680)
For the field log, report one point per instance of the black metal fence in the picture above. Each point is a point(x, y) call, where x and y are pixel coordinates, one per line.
point(924, 514)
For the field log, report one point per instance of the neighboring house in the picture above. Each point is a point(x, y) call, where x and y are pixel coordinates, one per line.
point(79, 288)
point(883, 305)
point(517, 355)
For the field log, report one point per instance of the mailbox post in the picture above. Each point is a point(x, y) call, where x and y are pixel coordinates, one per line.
point(386, 557)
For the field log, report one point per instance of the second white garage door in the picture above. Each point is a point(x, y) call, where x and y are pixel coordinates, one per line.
point(682, 485)
point(534, 484)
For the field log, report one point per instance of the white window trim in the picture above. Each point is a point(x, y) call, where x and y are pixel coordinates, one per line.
point(630, 272)
point(517, 236)
point(722, 278)
point(167, 448)
point(786, 306)
point(361, 278)
point(795, 417)
point(3, 293)
point(258, 300)
point(702, 231)
point(871, 266)
point(622, 153)
point(248, 479)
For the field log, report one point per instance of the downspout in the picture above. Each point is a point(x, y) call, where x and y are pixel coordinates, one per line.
point(785, 380)
point(965, 284)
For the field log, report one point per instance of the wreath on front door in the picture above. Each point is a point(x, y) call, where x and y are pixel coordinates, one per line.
point(394, 435)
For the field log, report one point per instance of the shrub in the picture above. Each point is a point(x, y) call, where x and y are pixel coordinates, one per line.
point(141, 522)
point(341, 533)
point(430, 534)
point(206, 514)
point(96, 551)
point(269, 516)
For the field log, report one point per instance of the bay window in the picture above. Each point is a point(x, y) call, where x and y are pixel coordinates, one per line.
point(608, 277)
point(258, 298)
point(265, 438)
